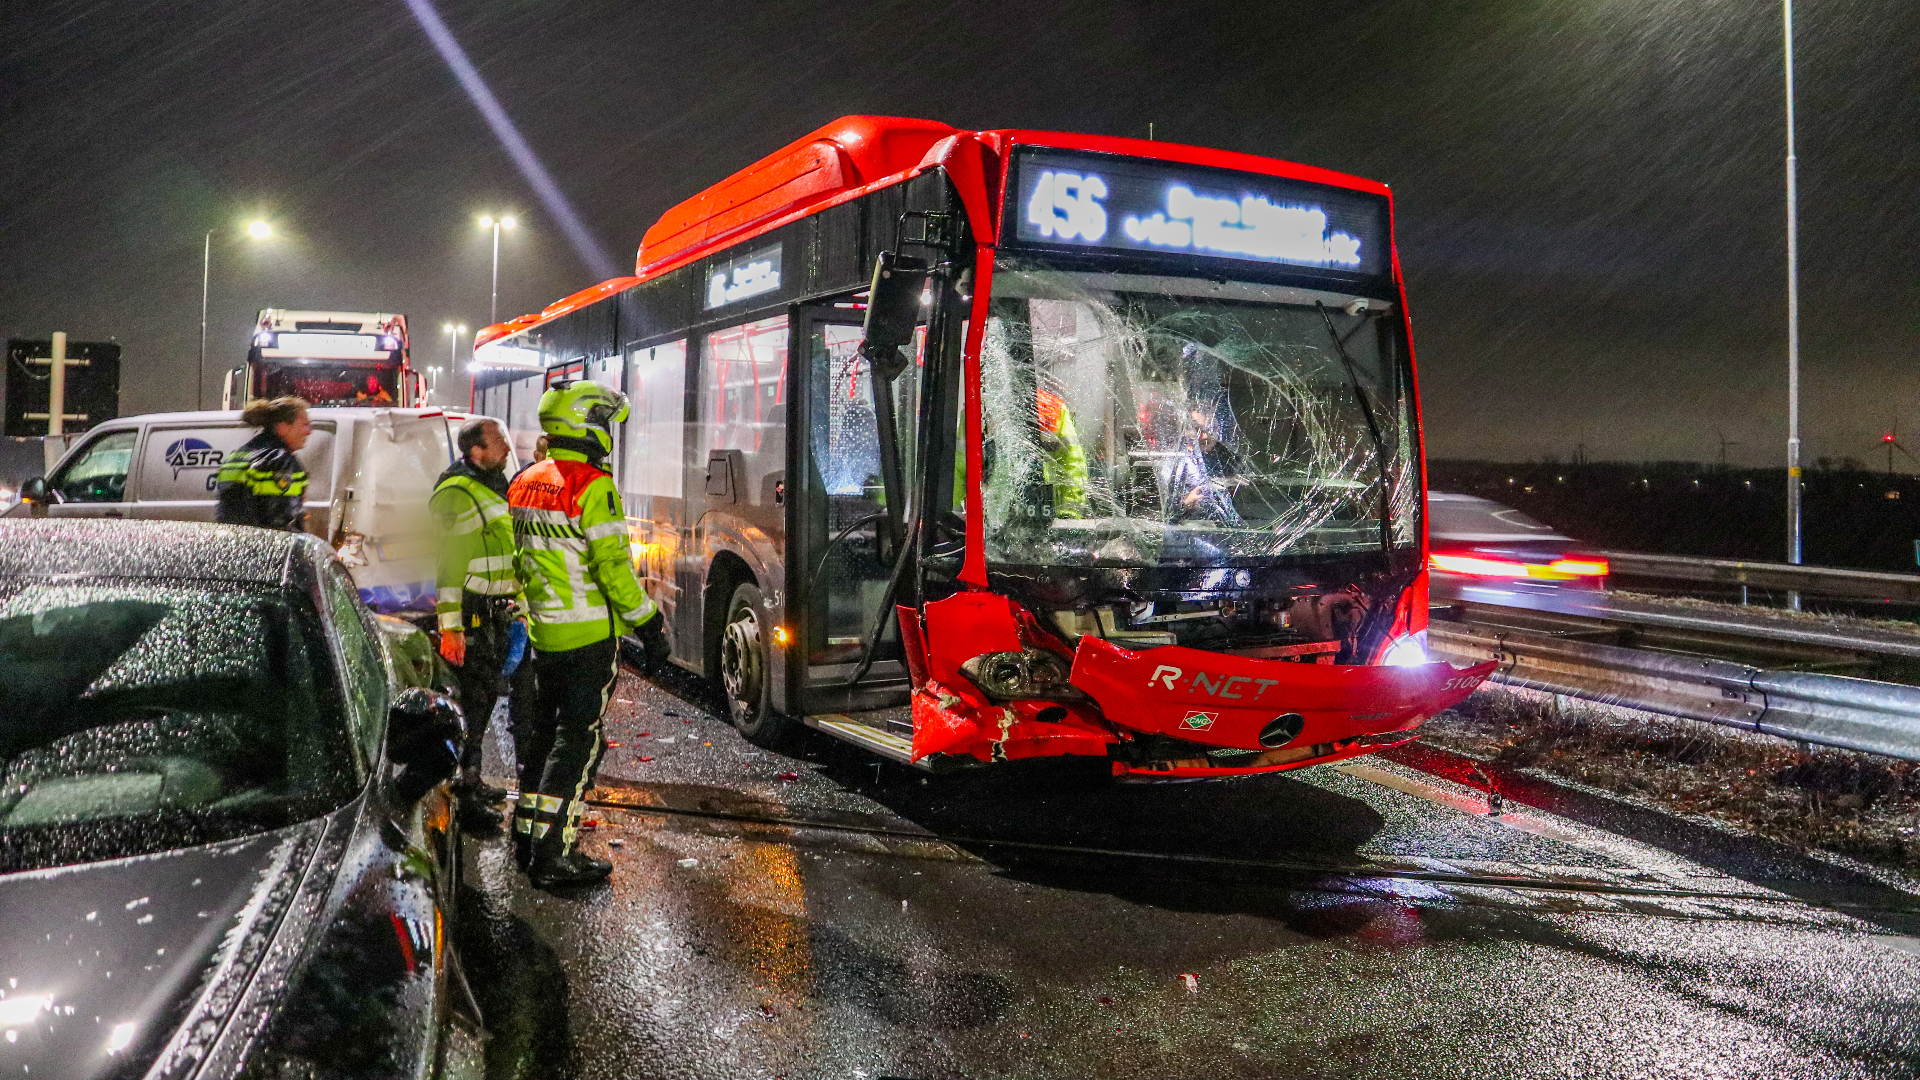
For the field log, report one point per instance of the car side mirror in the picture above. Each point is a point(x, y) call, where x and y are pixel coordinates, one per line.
point(424, 729)
point(893, 310)
point(34, 491)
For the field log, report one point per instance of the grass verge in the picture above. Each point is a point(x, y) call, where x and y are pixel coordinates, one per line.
point(1856, 805)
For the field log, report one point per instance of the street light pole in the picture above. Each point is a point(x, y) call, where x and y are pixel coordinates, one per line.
point(493, 306)
point(454, 333)
point(488, 221)
point(206, 274)
point(259, 230)
point(1793, 312)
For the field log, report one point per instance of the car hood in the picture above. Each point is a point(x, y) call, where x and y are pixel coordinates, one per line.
point(100, 962)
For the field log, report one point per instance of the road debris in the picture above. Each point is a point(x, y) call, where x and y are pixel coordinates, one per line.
point(644, 757)
point(788, 776)
point(1191, 982)
point(688, 864)
point(1495, 804)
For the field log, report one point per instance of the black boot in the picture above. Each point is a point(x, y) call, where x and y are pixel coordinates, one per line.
point(523, 815)
point(488, 793)
point(471, 788)
point(476, 816)
point(558, 861)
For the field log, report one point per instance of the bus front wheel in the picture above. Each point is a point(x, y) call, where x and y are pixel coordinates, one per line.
point(744, 671)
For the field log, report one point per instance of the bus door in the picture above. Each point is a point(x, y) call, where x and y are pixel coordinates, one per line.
point(841, 562)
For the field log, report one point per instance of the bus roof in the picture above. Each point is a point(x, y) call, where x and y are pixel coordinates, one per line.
point(849, 154)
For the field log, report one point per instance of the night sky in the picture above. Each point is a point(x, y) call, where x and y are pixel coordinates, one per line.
point(1590, 192)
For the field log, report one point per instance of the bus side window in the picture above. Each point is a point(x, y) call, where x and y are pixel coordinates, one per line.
point(655, 429)
point(743, 401)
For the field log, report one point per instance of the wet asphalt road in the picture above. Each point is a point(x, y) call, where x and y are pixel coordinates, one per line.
point(867, 920)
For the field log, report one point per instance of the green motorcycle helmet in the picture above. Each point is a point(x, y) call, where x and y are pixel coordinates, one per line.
point(582, 410)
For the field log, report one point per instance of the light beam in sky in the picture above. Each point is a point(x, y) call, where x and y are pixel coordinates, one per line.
point(585, 244)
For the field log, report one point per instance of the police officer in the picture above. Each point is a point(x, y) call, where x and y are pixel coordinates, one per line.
point(478, 580)
point(263, 483)
point(582, 597)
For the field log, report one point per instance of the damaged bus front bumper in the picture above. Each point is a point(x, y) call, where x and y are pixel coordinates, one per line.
point(1173, 711)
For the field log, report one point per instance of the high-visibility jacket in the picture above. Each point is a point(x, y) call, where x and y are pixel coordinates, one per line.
point(262, 483)
point(476, 553)
point(574, 559)
point(1064, 464)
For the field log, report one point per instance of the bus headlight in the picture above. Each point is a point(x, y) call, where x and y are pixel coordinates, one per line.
point(1409, 651)
point(1033, 673)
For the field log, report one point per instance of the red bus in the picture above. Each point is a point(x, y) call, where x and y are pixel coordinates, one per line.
point(975, 446)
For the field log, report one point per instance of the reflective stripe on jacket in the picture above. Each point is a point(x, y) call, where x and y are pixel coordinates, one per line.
point(262, 483)
point(574, 559)
point(477, 553)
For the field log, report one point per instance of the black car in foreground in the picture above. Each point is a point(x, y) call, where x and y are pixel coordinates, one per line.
point(226, 846)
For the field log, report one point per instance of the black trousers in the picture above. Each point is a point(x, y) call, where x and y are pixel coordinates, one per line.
point(564, 742)
point(523, 700)
point(481, 685)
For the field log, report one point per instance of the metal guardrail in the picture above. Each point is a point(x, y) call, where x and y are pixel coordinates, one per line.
point(1820, 580)
point(1827, 710)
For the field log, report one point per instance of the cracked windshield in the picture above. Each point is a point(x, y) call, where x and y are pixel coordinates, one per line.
point(1142, 421)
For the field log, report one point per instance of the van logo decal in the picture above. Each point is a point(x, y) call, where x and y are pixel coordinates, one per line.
point(191, 454)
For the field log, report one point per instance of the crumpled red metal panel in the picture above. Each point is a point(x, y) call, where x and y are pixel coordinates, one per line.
point(962, 627)
point(1223, 700)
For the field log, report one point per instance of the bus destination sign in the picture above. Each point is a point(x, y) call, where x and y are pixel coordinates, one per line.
point(1136, 204)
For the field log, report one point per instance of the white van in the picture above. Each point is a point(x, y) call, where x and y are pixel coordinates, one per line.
point(370, 473)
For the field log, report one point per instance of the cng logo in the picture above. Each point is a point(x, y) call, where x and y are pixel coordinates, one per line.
point(1198, 720)
point(191, 454)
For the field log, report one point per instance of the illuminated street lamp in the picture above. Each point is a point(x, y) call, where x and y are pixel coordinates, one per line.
point(258, 230)
point(488, 221)
point(454, 334)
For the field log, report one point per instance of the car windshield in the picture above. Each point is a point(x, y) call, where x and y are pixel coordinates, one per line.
point(330, 382)
point(1153, 421)
point(144, 716)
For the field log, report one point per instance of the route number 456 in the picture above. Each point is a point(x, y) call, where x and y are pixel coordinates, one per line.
point(1067, 205)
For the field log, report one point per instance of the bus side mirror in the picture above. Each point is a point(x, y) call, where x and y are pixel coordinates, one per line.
point(893, 310)
point(34, 491)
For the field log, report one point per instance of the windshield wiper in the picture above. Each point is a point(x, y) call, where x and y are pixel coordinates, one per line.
point(1373, 429)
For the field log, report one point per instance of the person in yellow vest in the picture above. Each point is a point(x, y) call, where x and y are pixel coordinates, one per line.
point(477, 582)
point(582, 597)
point(1064, 461)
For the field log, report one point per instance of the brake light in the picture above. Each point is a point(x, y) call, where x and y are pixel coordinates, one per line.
point(1582, 566)
point(1488, 567)
point(1477, 566)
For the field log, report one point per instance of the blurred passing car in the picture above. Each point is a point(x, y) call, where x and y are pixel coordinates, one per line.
point(225, 841)
point(1484, 552)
